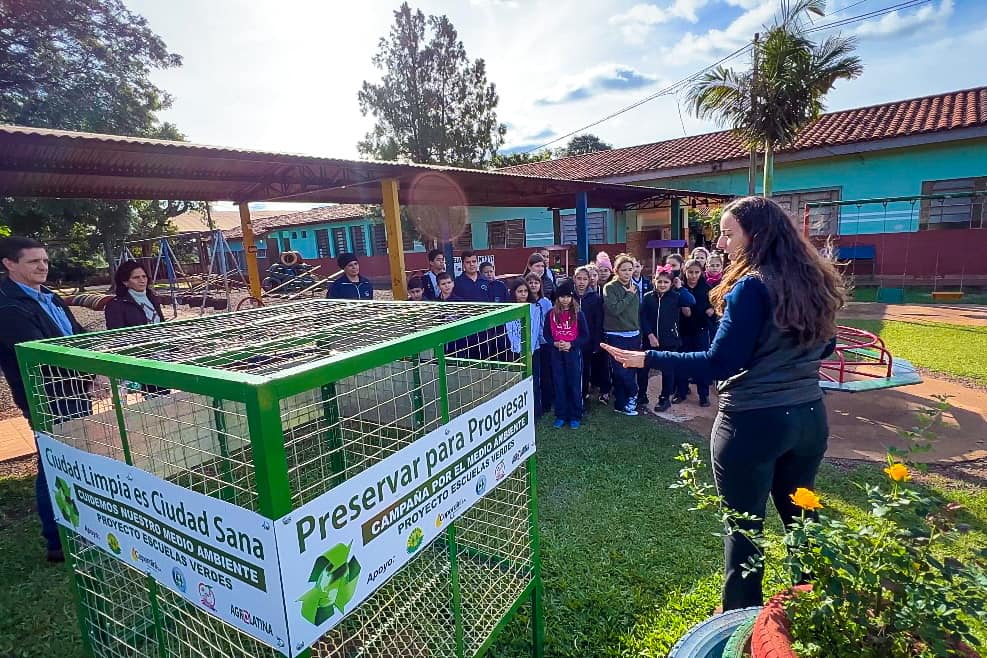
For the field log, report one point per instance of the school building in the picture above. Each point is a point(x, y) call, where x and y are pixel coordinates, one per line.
point(923, 146)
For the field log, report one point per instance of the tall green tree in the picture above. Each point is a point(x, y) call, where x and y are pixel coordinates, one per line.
point(83, 65)
point(432, 104)
point(583, 144)
point(499, 161)
point(794, 76)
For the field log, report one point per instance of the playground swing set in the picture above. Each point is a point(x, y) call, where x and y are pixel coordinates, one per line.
point(861, 360)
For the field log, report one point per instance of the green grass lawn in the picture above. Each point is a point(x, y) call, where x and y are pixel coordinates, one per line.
point(941, 348)
point(627, 569)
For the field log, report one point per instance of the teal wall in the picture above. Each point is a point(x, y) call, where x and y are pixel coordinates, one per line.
point(895, 172)
point(538, 229)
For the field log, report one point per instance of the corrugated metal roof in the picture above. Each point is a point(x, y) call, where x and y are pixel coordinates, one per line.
point(54, 163)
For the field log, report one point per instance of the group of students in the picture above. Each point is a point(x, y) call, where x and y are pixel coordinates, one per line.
point(604, 302)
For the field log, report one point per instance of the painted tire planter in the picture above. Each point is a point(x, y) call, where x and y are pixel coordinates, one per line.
point(771, 637)
point(737, 645)
point(708, 638)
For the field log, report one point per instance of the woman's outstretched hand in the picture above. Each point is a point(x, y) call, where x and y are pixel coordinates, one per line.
point(626, 358)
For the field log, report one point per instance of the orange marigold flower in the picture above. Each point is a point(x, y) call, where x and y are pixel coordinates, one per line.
point(898, 472)
point(806, 499)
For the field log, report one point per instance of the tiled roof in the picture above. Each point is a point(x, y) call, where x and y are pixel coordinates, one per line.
point(321, 215)
point(194, 221)
point(917, 116)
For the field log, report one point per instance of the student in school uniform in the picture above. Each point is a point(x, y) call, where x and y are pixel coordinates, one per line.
point(470, 286)
point(566, 333)
point(663, 308)
point(416, 289)
point(498, 290)
point(430, 280)
point(591, 305)
point(644, 286)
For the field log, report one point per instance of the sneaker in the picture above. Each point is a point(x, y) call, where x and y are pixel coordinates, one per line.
point(704, 403)
point(605, 398)
point(574, 424)
point(558, 424)
point(630, 409)
point(643, 401)
point(663, 405)
point(678, 399)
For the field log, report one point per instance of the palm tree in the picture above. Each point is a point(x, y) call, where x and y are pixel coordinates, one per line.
point(787, 95)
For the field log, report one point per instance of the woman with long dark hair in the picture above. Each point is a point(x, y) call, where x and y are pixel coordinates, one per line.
point(778, 301)
point(135, 303)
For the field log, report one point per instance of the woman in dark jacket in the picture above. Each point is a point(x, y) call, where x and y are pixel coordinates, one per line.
point(662, 310)
point(135, 304)
point(778, 303)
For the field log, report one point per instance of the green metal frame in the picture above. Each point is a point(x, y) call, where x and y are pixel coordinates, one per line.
point(261, 396)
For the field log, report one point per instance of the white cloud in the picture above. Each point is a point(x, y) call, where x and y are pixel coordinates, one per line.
point(597, 80)
point(636, 23)
point(717, 42)
point(898, 23)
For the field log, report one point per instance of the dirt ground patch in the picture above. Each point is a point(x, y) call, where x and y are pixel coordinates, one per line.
point(967, 315)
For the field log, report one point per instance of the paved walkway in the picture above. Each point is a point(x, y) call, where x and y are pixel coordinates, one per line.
point(863, 424)
point(16, 438)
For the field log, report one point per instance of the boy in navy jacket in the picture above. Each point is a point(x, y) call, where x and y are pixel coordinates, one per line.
point(661, 313)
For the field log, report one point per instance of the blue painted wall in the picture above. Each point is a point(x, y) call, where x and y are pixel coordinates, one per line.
point(895, 172)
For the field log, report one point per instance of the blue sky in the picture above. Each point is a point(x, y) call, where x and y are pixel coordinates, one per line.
point(284, 75)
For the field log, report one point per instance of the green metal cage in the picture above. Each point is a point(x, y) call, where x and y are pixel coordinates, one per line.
point(268, 409)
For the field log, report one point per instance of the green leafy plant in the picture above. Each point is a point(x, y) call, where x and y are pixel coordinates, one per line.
point(881, 587)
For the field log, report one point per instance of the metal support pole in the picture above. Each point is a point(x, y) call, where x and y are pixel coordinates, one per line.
point(582, 229)
point(250, 250)
point(392, 228)
point(675, 216)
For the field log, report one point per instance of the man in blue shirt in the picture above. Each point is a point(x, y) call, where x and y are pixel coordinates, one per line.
point(470, 286)
point(31, 311)
point(351, 285)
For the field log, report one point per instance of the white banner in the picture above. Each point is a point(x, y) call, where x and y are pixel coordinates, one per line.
point(218, 556)
point(337, 549)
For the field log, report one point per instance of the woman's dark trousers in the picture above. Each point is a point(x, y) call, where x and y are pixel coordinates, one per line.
point(756, 454)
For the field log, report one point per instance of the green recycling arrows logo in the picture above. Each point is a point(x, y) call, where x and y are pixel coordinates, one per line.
point(66, 504)
point(334, 575)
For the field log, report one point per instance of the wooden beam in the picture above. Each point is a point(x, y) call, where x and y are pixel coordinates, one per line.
point(392, 228)
point(250, 250)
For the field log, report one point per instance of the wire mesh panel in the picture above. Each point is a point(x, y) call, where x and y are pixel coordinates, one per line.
point(271, 409)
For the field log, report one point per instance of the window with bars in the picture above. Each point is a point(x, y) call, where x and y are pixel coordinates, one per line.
point(378, 239)
point(822, 221)
point(967, 210)
point(339, 240)
point(596, 223)
point(322, 242)
point(358, 237)
point(506, 234)
point(464, 241)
